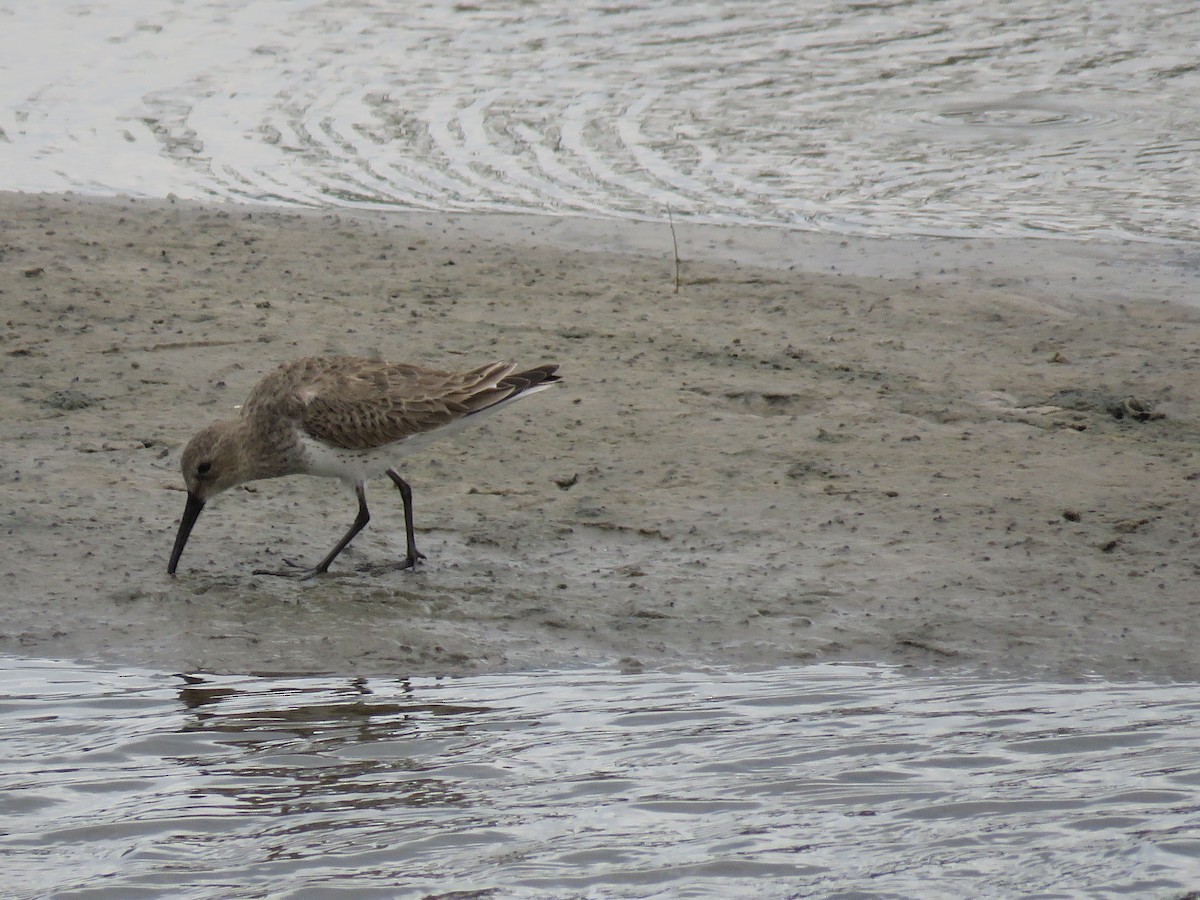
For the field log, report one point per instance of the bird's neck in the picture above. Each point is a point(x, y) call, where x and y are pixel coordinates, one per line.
point(269, 452)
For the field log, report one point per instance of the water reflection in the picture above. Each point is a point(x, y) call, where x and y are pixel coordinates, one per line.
point(560, 784)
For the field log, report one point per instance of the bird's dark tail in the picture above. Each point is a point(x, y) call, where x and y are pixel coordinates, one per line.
point(520, 382)
point(513, 387)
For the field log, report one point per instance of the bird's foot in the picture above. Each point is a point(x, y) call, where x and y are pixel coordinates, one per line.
point(409, 562)
point(295, 570)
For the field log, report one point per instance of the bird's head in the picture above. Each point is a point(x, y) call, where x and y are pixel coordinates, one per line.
point(213, 461)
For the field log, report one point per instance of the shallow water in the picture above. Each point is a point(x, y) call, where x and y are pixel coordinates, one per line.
point(999, 118)
point(838, 780)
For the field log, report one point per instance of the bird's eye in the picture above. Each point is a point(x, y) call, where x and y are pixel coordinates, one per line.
point(203, 468)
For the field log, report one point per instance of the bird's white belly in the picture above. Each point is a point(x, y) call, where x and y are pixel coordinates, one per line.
point(362, 465)
point(349, 465)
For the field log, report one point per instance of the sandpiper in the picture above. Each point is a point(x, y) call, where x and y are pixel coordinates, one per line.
point(343, 417)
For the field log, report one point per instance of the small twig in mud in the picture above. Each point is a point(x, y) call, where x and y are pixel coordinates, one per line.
point(191, 345)
point(675, 245)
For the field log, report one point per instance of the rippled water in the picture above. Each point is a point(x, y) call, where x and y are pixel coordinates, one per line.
point(894, 117)
point(827, 779)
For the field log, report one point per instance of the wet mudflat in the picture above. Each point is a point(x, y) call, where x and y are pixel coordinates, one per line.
point(769, 466)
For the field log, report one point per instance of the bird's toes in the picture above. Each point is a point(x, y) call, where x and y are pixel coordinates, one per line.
point(385, 568)
point(297, 572)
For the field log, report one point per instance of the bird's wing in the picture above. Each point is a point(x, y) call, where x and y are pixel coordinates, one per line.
point(362, 404)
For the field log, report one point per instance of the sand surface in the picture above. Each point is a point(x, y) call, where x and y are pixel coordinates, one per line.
point(772, 465)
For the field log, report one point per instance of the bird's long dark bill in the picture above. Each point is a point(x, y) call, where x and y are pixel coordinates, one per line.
point(191, 513)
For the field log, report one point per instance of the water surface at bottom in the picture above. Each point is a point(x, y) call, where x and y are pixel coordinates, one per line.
point(838, 780)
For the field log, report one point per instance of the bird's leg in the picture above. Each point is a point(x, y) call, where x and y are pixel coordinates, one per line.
point(360, 522)
point(410, 561)
point(413, 554)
